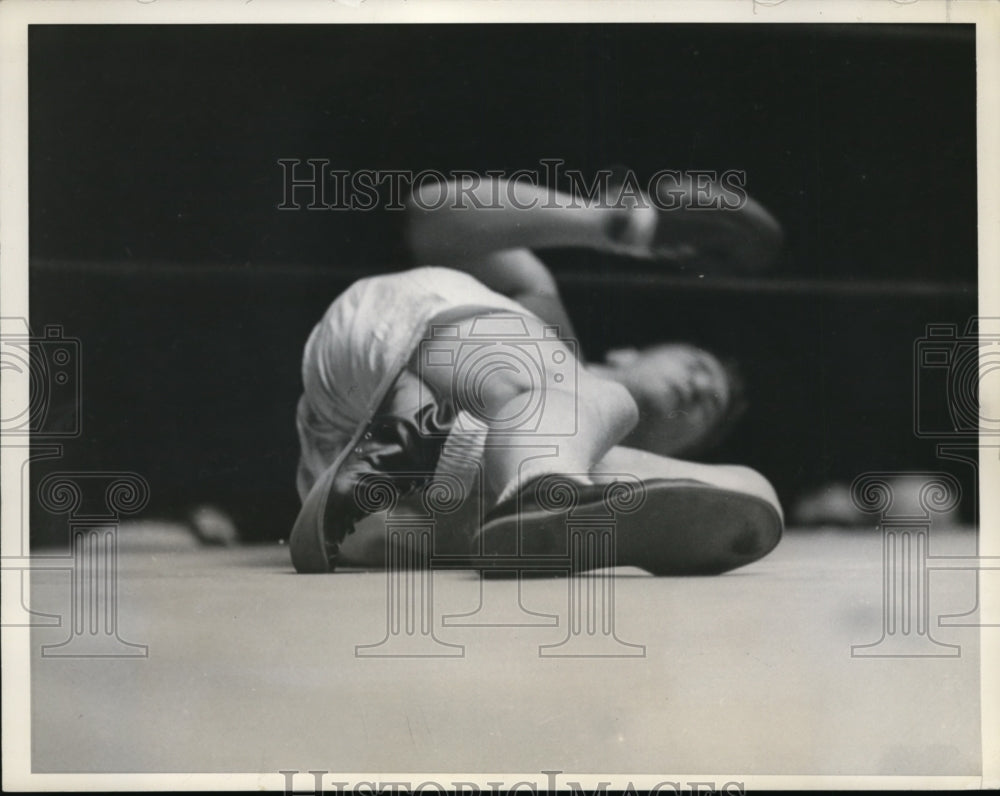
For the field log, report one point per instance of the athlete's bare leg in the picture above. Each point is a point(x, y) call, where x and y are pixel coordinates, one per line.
point(549, 401)
point(495, 215)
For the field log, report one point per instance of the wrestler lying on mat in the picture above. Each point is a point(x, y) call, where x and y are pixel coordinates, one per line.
point(464, 371)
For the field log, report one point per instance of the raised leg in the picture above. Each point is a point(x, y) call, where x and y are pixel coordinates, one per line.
point(496, 215)
point(513, 375)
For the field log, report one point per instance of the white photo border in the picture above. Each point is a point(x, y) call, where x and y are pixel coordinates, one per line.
point(17, 15)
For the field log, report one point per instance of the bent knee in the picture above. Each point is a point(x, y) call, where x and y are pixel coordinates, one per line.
point(615, 403)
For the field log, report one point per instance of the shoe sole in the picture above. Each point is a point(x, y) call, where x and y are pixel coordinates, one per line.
point(307, 542)
point(682, 528)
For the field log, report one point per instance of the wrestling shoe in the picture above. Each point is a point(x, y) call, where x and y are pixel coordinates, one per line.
point(394, 451)
point(666, 527)
point(694, 226)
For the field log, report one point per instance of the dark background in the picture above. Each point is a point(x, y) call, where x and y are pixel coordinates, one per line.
point(156, 241)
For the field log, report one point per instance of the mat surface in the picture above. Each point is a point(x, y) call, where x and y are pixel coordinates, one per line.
point(252, 668)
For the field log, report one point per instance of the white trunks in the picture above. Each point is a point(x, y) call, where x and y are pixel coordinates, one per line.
point(361, 345)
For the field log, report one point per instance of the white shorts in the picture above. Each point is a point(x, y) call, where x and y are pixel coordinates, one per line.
point(361, 345)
